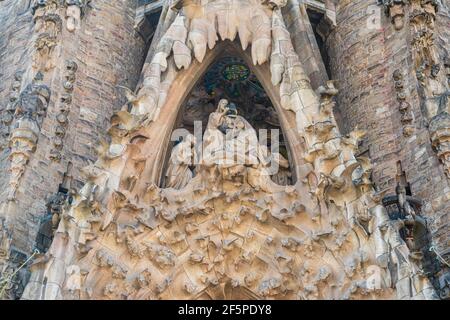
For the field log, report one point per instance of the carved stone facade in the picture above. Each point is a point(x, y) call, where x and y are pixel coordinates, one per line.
point(180, 194)
point(64, 109)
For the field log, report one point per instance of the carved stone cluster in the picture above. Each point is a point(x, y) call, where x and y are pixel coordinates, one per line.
point(395, 9)
point(440, 137)
point(29, 111)
point(407, 116)
point(228, 231)
point(190, 35)
point(71, 10)
point(433, 83)
point(422, 22)
point(7, 115)
point(64, 109)
point(48, 27)
point(75, 10)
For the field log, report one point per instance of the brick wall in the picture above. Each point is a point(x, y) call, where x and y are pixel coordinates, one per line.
point(108, 52)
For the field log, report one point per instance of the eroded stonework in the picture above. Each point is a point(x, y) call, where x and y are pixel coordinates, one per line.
point(160, 220)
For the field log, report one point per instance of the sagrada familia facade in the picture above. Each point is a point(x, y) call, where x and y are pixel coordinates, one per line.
point(139, 140)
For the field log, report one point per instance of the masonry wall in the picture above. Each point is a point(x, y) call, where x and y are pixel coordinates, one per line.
point(363, 61)
point(305, 44)
point(108, 53)
point(443, 29)
point(16, 25)
point(442, 225)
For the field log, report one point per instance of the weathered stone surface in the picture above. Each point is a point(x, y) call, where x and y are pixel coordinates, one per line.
point(87, 162)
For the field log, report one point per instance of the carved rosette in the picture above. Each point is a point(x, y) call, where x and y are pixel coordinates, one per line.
point(407, 116)
point(440, 136)
point(64, 109)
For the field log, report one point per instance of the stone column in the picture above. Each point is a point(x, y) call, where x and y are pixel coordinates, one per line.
point(380, 92)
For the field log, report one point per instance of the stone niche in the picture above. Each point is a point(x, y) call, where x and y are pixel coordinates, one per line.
point(230, 77)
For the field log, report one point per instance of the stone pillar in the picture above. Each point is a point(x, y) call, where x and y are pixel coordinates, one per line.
point(380, 93)
point(304, 41)
point(97, 49)
point(16, 24)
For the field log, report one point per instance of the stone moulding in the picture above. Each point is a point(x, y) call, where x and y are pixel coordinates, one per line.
point(229, 230)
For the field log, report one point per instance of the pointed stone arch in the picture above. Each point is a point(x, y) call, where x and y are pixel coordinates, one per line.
point(159, 133)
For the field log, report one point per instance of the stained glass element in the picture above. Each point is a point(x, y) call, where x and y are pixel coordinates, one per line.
point(236, 72)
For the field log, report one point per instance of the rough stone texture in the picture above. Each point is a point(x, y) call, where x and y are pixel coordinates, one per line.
point(443, 29)
point(108, 52)
point(15, 53)
point(363, 61)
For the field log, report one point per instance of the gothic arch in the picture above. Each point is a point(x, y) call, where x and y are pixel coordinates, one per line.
point(160, 131)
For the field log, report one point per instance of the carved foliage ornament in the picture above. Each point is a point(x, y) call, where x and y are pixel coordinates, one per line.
point(230, 225)
point(65, 102)
point(395, 9)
